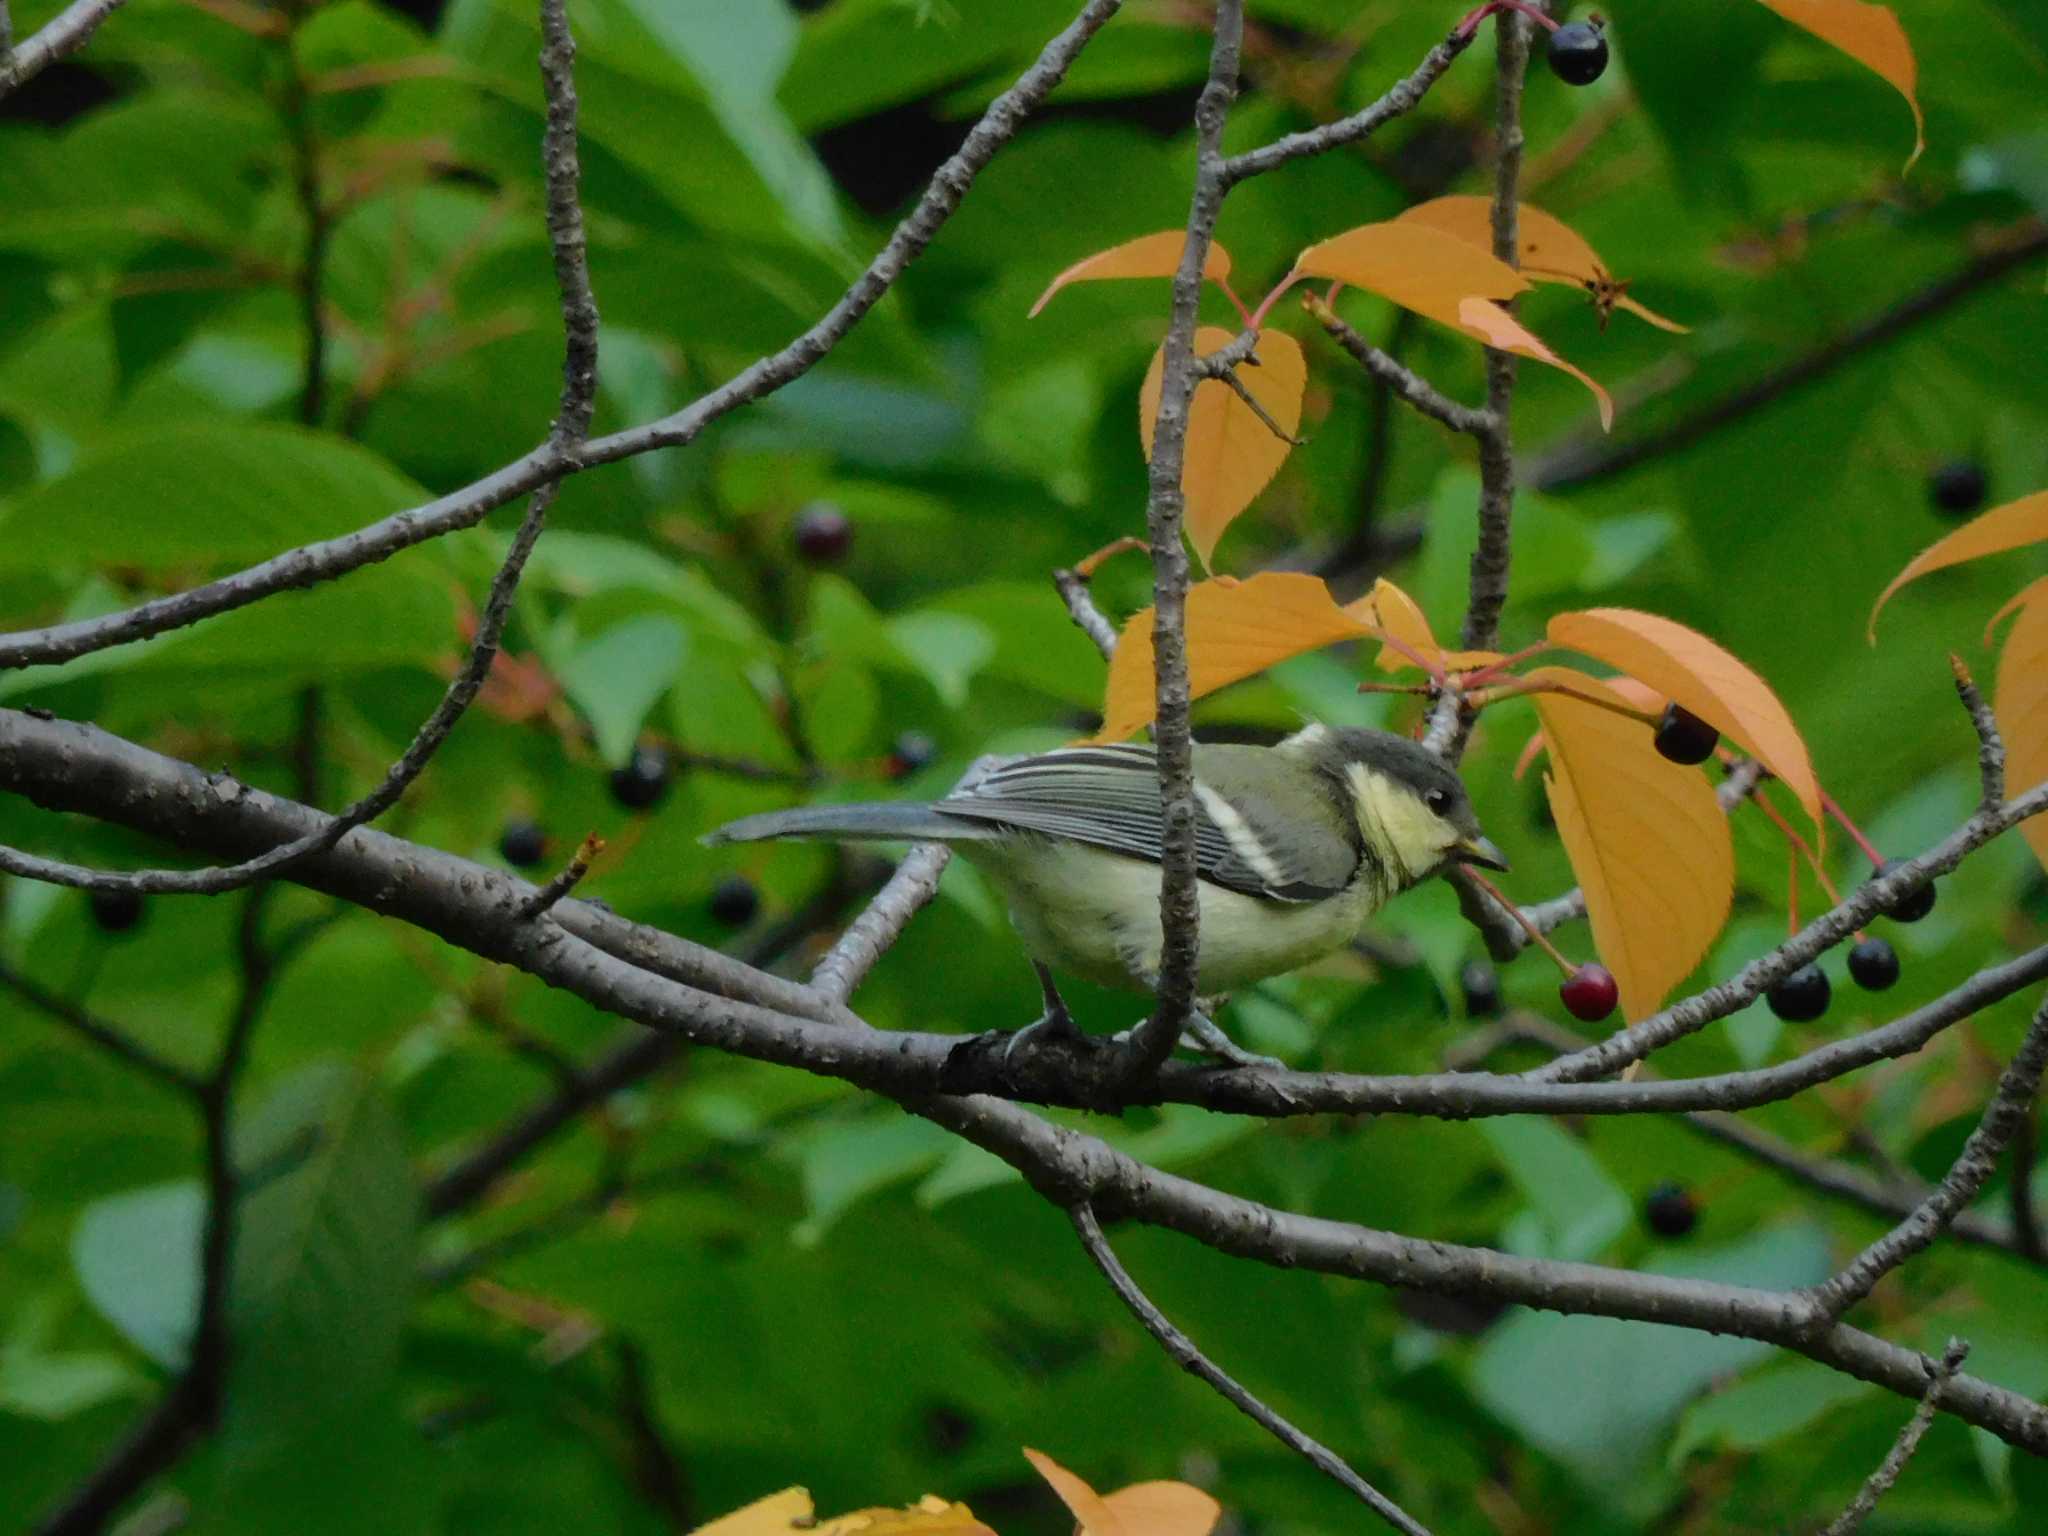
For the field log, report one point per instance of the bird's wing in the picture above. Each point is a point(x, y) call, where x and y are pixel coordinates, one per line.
point(1108, 796)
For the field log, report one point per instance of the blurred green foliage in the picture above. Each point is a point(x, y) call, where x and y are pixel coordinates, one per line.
point(777, 1278)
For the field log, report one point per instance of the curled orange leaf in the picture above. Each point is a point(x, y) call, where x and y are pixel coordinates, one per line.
point(1646, 838)
point(1231, 453)
point(1147, 256)
point(1872, 36)
point(1401, 619)
point(1091, 1512)
point(2022, 706)
point(1234, 629)
point(1548, 250)
point(1684, 665)
point(1442, 278)
point(2012, 526)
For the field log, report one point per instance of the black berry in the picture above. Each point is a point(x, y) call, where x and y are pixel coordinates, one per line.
point(1684, 737)
point(522, 844)
point(1801, 997)
point(641, 783)
point(1481, 985)
point(1873, 964)
point(1590, 993)
point(1958, 488)
point(1578, 52)
point(1670, 1210)
point(1912, 906)
point(824, 533)
point(116, 911)
point(734, 901)
point(914, 750)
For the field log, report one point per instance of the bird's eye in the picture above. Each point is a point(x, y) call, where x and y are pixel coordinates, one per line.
point(1438, 800)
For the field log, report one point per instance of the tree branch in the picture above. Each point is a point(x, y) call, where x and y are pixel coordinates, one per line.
point(1880, 1482)
point(110, 1038)
point(1190, 1359)
point(1401, 380)
point(65, 33)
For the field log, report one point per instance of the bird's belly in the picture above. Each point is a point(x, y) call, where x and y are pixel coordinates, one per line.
point(1095, 915)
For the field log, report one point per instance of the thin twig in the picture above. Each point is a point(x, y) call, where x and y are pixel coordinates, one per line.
point(914, 883)
point(1072, 587)
point(1939, 1374)
point(566, 880)
point(110, 1038)
point(2012, 1102)
point(1189, 1358)
point(1400, 379)
point(63, 34)
point(1990, 744)
point(1152, 1041)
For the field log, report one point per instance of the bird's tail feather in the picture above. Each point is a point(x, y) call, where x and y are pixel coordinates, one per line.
point(878, 822)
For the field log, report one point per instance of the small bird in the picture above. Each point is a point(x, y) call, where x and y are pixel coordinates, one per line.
point(1296, 845)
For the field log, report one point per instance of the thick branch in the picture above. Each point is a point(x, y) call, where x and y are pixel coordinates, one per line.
point(65, 33)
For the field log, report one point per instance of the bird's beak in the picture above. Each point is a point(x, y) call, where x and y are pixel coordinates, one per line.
point(1480, 850)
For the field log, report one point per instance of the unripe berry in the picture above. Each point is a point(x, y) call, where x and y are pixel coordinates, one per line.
point(823, 533)
point(1590, 993)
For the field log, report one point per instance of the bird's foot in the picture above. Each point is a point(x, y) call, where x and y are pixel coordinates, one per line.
point(1055, 1025)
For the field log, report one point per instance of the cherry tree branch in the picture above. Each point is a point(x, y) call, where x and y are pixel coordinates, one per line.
point(1179, 911)
point(1398, 377)
point(109, 1037)
point(65, 33)
point(1189, 1358)
point(1072, 587)
point(1879, 1483)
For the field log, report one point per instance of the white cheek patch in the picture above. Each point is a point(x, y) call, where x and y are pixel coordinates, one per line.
point(1244, 842)
point(1394, 818)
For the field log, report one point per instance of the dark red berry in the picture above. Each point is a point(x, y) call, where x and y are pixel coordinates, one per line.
point(913, 752)
point(643, 780)
point(1684, 737)
point(1670, 1210)
point(1912, 906)
point(1873, 964)
point(522, 843)
point(1480, 983)
point(734, 901)
point(824, 533)
point(1801, 997)
point(1578, 52)
point(1590, 993)
point(1958, 488)
point(116, 911)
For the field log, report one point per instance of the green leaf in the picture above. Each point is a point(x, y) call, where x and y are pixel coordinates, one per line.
point(845, 1163)
point(948, 649)
point(207, 494)
point(39, 1381)
point(1763, 1409)
point(137, 1258)
point(1581, 1207)
point(617, 678)
point(324, 1255)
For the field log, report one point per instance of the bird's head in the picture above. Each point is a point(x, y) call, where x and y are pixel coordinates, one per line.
point(1410, 805)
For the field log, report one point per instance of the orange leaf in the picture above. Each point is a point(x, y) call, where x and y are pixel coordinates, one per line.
point(1402, 619)
point(2022, 706)
point(1234, 629)
point(1091, 1510)
point(1231, 454)
point(1872, 36)
point(2012, 526)
point(1646, 838)
point(1684, 665)
point(776, 1515)
point(1147, 256)
point(929, 1516)
point(1548, 249)
point(1442, 278)
point(1164, 1509)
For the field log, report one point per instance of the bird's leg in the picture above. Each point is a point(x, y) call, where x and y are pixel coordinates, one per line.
point(1053, 1024)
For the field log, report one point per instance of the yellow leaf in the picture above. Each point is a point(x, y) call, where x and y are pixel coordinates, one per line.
point(1091, 1511)
point(1548, 249)
point(1234, 629)
point(1164, 1509)
point(776, 1515)
point(1646, 838)
point(2012, 526)
point(929, 1516)
point(1402, 619)
point(2022, 707)
point(1147, 256)
point(1684, 665)
point(1442, 278)
point(1231, 454)
point(1872, 36)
